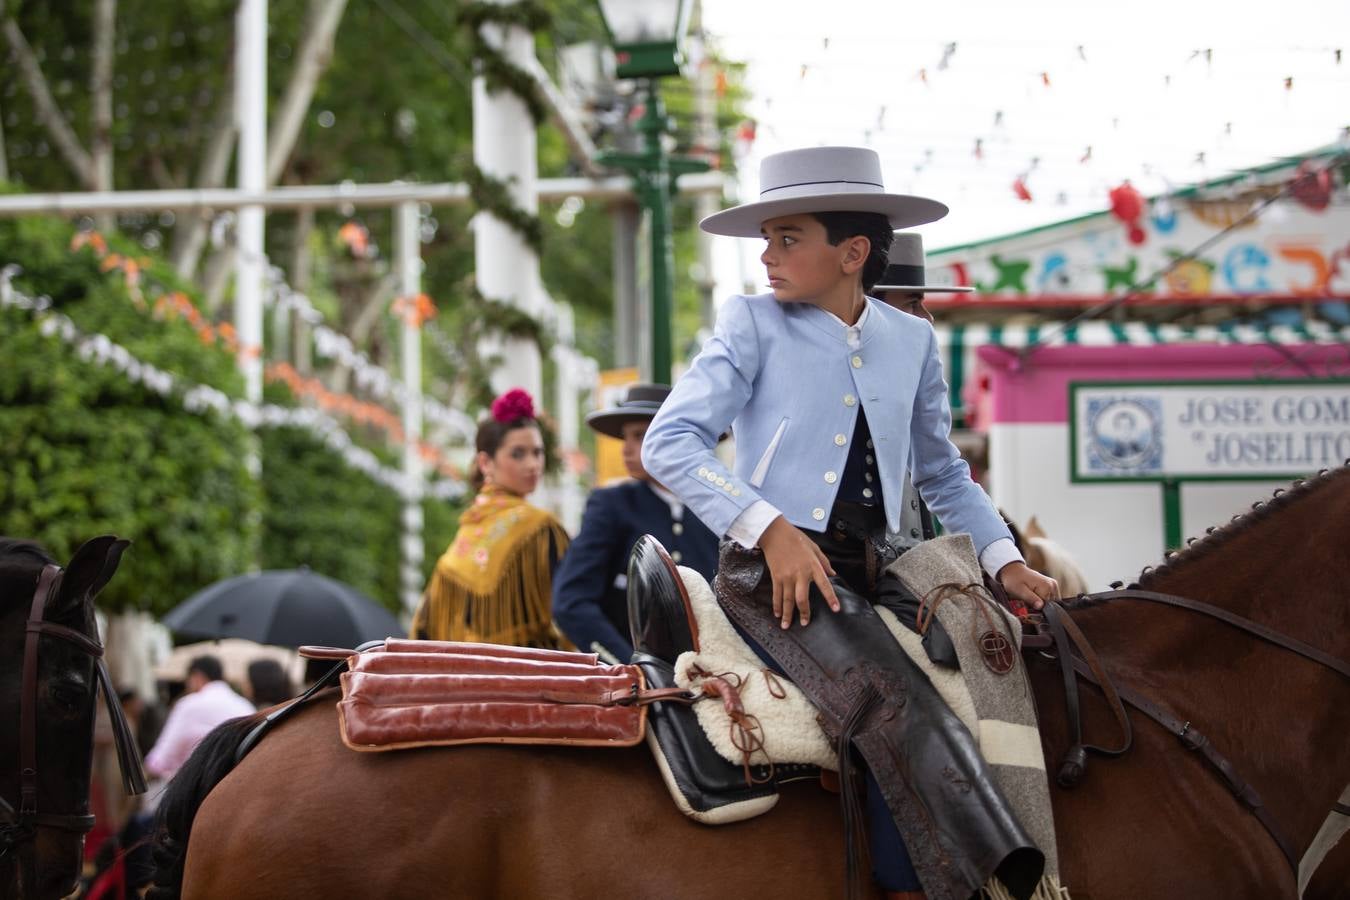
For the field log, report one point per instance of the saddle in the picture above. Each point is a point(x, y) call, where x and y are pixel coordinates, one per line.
point(703, 783)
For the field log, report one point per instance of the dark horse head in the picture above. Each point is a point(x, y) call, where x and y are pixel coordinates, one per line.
point(42, 835)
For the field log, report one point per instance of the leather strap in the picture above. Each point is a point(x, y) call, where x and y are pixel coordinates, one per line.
point(28, 698)
point(25, 821)
point(1066, 634)
point(1192, 739)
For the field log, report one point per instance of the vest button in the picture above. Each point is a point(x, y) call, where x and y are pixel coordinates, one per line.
point(867, 492)
point(817, 513)
point(676, 556)
point(676, 529)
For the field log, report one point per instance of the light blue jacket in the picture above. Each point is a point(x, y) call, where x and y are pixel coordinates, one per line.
point(783, 377)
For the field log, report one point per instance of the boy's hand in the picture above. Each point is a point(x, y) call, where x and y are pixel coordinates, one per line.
point(1028, 585)
point(795, 563)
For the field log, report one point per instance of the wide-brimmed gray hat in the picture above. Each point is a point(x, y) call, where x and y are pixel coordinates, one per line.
point(822, 179)
point(640, 403)
point(905, 269)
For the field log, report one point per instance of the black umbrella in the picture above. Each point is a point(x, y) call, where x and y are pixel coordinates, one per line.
point(289, 608)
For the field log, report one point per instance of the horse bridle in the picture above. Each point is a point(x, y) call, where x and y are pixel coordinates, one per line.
point(19, 828)
point(1064, 634)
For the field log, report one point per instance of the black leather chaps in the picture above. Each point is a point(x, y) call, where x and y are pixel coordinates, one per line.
point(954, 820)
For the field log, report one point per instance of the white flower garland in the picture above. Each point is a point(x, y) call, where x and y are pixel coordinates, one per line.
point(201, 399)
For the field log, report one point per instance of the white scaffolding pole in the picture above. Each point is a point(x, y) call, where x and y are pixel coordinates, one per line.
point(327, 196)
point(409, 249)
point(251, 110)
point(506, 267)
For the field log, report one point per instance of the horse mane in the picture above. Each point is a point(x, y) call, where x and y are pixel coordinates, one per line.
point(1217, 536)
point(212, 759)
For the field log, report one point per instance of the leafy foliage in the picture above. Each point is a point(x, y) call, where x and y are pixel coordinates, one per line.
point(320, 513)
point(84, 451)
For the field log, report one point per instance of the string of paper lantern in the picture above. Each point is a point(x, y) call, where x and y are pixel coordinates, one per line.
point(201, 399)
point(328, 343)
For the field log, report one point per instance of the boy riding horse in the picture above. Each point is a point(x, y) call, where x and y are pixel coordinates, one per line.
point(829, 394)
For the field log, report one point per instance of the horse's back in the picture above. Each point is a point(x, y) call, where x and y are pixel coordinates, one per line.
point(303, 815)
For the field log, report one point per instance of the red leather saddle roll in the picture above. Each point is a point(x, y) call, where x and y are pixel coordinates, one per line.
point(427, 693)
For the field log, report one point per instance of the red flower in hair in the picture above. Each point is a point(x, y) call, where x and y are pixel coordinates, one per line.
point(514, 404)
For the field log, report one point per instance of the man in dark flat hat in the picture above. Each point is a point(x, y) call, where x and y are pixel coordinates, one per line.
point(590, 602)
point(903, 285)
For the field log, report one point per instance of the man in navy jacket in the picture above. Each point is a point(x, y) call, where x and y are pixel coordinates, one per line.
point(590, 601)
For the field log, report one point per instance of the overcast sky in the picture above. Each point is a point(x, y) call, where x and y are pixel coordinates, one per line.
point(1073, 97)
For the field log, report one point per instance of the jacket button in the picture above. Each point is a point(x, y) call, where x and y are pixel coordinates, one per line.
point(735, 492)
point(914, 532)
point(817, 513)
point(857, 362)
point(831, 477)
point(850, 400)
point(676, 556)
point(711, 476)
point(914, 504)
point(676, 529)
point(702, 471)
point(840, 440)
point(870, 459)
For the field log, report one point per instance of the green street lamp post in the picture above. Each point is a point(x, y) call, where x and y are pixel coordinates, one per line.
point(646, 36)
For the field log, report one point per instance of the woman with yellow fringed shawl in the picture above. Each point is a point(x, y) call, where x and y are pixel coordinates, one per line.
point(493, 584)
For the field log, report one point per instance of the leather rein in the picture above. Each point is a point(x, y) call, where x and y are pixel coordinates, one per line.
point(1065, 636)
point(19, 827)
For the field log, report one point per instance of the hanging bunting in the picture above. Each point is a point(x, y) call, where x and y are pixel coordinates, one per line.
point(947, 52)
point(1312, 186)
point(1019, 187)
point(1127, 205)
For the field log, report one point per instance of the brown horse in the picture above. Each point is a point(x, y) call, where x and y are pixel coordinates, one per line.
point(302, 816)
point(49, 680)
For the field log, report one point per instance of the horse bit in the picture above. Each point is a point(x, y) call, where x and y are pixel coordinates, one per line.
point(19, 828)
point(1065, 633)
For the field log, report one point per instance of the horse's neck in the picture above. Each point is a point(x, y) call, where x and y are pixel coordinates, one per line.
point(1269, 710)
